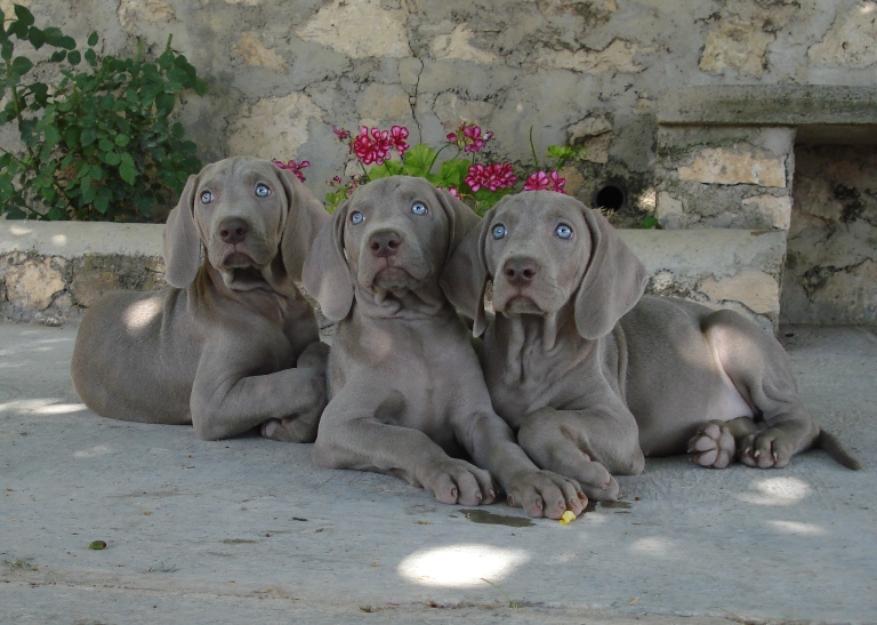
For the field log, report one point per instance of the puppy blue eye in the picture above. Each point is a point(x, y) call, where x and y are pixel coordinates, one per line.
point(263, 190)
point(356, 218)
point(563, 231)
point(419, 208)
point(206, 197)
point(499, 231)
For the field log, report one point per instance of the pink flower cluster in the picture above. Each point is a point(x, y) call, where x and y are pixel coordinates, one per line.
point(545, 181)
point(373, 145)
point(494, 176)
point(294, 166)
point(469, 137)
point(349, 186)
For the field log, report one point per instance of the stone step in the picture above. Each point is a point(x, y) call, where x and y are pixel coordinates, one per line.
point(50, 271)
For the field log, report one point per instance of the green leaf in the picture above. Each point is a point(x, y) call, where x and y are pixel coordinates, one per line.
point(92, 39)
point(53, 36)
point(418, 160)
point(21, 65)
point(649, 222)
point(6, 50)
point(453, 173)
point(560, 151)
point(23, 15)
point(36, 37)
point(105, 144)
point(74, 57)
point(88, 136)
point(122, 140)
point(58, 55)
point(51, 136)
point(111, 158)
point(40, 92)
point(164, 102)
point(102, 200)
point(91, 57)
point(127, 169)
point(68, 43)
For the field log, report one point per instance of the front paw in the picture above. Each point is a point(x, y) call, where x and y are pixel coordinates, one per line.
point(291, 429)
point(457, 481)
point(544, 493)
point(768, 449)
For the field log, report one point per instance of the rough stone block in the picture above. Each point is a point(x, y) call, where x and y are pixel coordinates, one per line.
point(739, 164)
point(33, 283)
point(359, 29)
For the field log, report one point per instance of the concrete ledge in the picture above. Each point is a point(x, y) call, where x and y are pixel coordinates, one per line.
point(70, 239)
point(769, 105)
point(50, 271)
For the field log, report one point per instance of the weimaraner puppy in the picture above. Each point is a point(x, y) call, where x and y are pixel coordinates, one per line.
point(219, 347)
point(593, 376)
point(407, 395)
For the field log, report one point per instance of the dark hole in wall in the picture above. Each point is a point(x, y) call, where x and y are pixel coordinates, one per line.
point(610, 196)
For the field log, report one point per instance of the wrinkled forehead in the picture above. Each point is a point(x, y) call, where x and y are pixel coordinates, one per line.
point(529, 209)
point(391, 192)
point(232, 171)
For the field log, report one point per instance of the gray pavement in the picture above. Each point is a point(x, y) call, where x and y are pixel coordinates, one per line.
point(248, 531)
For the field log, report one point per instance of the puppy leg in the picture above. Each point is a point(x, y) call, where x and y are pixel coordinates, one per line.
point(301, 427)
point(350, 437)
point(226, 400)
point(586, 445)
point(760, 370)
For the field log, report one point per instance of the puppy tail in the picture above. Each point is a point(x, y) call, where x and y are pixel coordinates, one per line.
point(829, 443)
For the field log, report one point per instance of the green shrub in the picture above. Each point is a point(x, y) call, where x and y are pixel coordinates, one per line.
point(101, 142)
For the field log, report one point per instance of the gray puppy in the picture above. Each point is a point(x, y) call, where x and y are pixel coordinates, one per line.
point(594, 376)
point(406, 391)
point(217, 348)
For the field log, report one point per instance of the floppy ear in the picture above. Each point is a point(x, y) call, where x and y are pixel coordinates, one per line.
point(326, 274)
point(182, 245)
point(304, 219)
point(613, 282)
point(464, 278)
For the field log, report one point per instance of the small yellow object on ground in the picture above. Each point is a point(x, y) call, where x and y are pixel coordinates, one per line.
point(567, 517)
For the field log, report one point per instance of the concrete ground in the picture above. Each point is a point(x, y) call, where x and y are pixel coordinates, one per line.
point(248, 531)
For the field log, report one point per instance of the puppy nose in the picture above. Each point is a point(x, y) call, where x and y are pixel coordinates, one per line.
point(520, 271)
point(233, 230)
point(385, 243)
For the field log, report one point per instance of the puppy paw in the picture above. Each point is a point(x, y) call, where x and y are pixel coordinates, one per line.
point(457, 481)
point(713, 446)
point(291, 429)
point(544, 493)
point(767, 449)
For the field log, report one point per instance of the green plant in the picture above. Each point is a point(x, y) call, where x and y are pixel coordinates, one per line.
point(101, 142)
point(464, 175)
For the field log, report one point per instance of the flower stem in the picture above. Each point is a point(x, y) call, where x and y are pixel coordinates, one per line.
point(533, 149)
point(435, 158)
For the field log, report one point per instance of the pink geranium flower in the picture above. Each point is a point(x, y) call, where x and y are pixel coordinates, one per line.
point(372, 146)
point(398, 134)
point(545, 181)
point(341, 133)
point(494, 177)
point(294, 166)
point(469, 137)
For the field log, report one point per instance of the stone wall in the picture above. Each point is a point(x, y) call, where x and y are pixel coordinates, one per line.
point(282, 73)
point(831, 265)
point(632, 80)
point(50, 272)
